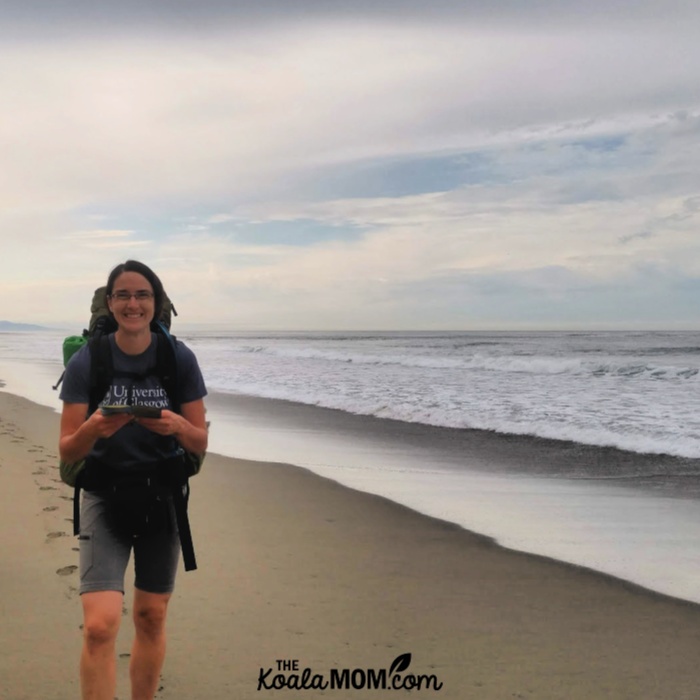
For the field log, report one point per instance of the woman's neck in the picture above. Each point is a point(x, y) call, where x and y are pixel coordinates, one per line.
point(133, 343)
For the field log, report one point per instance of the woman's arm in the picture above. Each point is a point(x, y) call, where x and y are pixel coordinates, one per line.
point(78, 434)
point(189, 426)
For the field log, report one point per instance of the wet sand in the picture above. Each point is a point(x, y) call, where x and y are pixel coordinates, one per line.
point(296, 568)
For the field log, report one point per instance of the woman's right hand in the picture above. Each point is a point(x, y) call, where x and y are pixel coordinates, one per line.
point(105, 426)
point(79, 435)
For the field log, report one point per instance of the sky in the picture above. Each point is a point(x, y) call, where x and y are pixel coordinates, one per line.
point(393, 164)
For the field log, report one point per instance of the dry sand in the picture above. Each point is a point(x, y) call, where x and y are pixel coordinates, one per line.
point(296, 567)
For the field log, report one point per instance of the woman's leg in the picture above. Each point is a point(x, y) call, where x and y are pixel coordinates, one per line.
point(148, 652)
point(103, 559)
point(102, 611)
point(155, 565)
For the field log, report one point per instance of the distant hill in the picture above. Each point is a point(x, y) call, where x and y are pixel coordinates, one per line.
point(10, 326)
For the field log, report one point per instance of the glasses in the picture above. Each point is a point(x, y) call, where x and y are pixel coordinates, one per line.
point(141, 295)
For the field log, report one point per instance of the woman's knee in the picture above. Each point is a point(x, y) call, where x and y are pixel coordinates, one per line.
point(100, 633)
point(150, 612)
point(100, 629)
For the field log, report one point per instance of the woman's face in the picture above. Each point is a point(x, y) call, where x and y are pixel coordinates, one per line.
point(132, 302)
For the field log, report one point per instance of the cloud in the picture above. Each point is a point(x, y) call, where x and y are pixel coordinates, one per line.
point(282, 162)
point(640, 235)
point(132, 120)
point(100, 238)
point(68, 17)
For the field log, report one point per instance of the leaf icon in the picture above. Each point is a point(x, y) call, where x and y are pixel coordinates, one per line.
point(400, 663)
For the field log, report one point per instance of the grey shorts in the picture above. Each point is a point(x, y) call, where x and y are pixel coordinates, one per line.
point(104, 555)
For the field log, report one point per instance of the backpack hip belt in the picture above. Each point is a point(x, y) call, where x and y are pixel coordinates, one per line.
point(167, 479)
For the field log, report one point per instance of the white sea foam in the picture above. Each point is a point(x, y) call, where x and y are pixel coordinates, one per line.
point(634, 391)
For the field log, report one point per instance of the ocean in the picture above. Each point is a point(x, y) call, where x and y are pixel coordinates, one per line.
point(581, 446)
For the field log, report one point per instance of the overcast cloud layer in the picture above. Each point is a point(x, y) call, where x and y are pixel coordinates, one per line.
point(335, 165)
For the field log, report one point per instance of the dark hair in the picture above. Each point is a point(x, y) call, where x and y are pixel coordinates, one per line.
point(141, 269)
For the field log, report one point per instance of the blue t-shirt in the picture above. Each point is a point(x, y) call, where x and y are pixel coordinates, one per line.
point(133, 445)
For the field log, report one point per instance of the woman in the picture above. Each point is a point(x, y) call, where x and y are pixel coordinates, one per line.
point(126, 445)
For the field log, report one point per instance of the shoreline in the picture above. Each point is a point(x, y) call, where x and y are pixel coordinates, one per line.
point(599, 508)
point(486, 449)
point(300, 568)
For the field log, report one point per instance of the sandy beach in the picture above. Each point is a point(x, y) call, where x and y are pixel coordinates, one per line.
point(295, 569)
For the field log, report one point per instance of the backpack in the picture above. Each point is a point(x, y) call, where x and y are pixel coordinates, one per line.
point(134, 507)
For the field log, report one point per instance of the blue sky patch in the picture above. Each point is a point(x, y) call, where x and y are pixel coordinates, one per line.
point(604, 144)
point(403, 177)
point(297, 232)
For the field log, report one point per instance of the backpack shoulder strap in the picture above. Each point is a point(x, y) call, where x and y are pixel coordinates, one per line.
point(101, 369)
point(166, 367)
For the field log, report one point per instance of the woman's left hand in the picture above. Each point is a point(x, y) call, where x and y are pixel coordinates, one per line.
point(189, 426)
point(169, 423)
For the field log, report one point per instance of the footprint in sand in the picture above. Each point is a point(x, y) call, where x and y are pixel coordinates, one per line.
point(47, 488)
point(66, 570)
point(39, 471)
point(48, 509)
point(54, 535)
